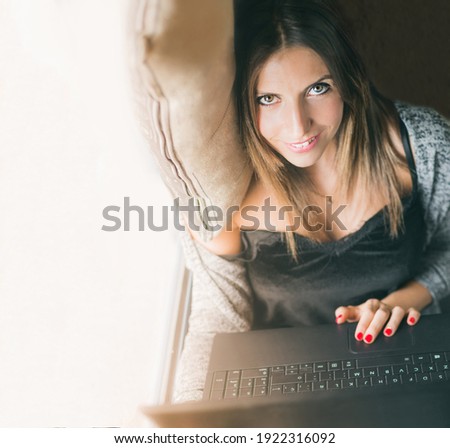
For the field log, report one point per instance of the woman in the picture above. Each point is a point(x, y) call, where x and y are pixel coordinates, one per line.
point(358, 188)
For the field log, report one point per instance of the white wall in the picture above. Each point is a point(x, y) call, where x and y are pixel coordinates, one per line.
point(82, 311)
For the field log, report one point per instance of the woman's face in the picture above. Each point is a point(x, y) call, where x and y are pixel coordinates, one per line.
point(299, 106)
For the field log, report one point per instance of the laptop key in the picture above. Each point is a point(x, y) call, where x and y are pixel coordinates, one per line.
point(340, 374)
point(320, 385)
point(284, 379)
point(260, 391)
point(231, 393)
point(334, 385)
point(247, 382)
point(400, 370)
point(355, 373)
point(304, 387)
point(289, 388)
point(428, 368)
point(394, 379)
point(437, 357)
point(349, 364)
point(423, 358)
point(234, 375)
point(260, 382)
point(246, 392)
point(438, 376)
point(378, 381)
point(409, 379)
point(325, 376)
point(384, 361)
point(349, 384)
point(335, 365)
point(276, 390)
point(364, 382)
point(254, 373)
point(219, 380)
point(306, 367)
point(277, 369)
point(320, 367)
point(233, 384)
point(312, 377)
point(370, 371)
point(442, 365)
point(423, 378)
point(385, 370)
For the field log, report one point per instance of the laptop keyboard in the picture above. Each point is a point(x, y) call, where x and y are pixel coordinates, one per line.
point(331, 375)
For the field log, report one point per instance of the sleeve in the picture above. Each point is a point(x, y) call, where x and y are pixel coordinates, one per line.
point(221, 302)
point(435, 273)
point(433, 141)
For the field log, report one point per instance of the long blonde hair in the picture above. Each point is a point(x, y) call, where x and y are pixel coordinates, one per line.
point(366, 156)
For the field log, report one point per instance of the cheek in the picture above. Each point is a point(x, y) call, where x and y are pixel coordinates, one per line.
point(268, 124)
point(328, 112)
point(335, 111)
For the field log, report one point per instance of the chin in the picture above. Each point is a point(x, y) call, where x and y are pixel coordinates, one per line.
point(302, 160)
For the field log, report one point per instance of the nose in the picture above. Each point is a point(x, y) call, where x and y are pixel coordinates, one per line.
point(299, 120)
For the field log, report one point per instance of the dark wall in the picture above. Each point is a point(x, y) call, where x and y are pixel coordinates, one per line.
point(406, 47)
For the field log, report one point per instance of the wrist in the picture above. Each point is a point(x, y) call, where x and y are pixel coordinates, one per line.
point(412, 295)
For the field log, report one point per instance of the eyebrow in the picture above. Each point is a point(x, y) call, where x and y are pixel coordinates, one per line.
point(327, 76)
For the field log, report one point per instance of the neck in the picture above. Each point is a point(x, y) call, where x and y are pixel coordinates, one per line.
point(323, 174)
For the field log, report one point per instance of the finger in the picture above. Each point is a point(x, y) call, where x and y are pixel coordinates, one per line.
point(346, 314)
point(413, 316)
point(397, 315)
point(364, 321)
point(367, 310)
point(379, 320)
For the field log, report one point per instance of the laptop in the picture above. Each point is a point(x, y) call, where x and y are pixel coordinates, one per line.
point(322, 376)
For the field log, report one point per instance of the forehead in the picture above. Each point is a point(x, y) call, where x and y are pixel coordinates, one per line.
point(296, 64)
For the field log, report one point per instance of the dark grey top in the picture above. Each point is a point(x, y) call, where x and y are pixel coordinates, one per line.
point(365, 264)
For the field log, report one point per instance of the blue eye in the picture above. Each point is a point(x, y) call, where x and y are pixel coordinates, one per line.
point(267, 100)
point(319, 89)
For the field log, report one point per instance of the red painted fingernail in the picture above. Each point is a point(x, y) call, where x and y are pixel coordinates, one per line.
point(412, 320)
point(369, 338)
point(388, 332)
point(359, 336)
point(337, 318)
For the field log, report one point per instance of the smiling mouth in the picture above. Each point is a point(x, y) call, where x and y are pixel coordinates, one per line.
point(306, 145)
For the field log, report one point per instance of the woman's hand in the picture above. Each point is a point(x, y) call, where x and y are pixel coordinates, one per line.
point(374, 316)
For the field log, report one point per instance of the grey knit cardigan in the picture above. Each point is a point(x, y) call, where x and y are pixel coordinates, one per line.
point(221, 296)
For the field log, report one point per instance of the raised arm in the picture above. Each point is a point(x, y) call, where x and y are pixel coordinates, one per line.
point(183, 72)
